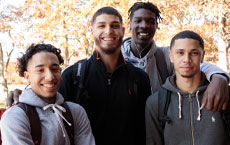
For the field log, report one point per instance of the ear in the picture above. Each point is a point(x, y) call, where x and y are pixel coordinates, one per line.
point(26, 75)
point(202, 57)
point(170, 56)
point(129, 26)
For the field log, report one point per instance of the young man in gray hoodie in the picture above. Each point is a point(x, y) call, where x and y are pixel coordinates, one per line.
point(40, 66)
point(188, 125)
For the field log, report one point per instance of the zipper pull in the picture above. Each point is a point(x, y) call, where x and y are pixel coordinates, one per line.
point(190, 97)
point(109, 81)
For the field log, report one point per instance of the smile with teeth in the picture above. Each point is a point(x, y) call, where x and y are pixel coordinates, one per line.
point(108, 39)
point(144, 34)
point(51, 85)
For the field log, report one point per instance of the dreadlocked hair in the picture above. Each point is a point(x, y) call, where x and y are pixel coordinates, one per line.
point(144, 5)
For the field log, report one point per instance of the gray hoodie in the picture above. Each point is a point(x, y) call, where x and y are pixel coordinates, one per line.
point(15, 126)
point(190, 125)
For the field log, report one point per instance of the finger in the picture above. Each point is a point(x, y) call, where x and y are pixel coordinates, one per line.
point(210, 102)
point(217, 103)
point(16, 96)
point(205, 100)
point(224, 107)
point(9, 100)
point(220, 105)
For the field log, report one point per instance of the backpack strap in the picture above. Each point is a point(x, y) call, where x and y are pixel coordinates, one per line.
point(161, 64)
point(79, 73)
point(164, 97)
point(69, 129)
point(35, 123)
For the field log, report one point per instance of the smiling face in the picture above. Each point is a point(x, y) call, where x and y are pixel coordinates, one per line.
point(44, 74)
point(143, 26)
point(186, 55)
point(108, 33)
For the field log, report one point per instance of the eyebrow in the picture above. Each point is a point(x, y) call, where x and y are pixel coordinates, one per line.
point(105, 22)
point(194, 49)
point(41, 65)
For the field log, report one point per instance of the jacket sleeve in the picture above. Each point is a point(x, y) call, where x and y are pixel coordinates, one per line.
point(210, 69)
point(66, 86)
point(15, 127)
point(82, 130)
point(154, 132)
point(170, 66)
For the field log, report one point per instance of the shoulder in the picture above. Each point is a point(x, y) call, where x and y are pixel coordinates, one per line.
point(163, 49)
point(75, 108)
point(136, 71)
point(13, 116)
point(71, 68)
point(152, 100)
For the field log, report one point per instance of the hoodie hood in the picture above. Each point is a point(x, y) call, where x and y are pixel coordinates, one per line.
point(28, 96)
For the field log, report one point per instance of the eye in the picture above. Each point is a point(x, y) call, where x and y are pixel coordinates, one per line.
point(56, 69)
point(152, 21)
point(39, 70)
point(136, 20)
point(195, 53)
point(115, 26)
point(100, 26)
point(180, 52)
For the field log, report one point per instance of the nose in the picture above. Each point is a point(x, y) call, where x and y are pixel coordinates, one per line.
point(108, 30)
point(187, 58)
point(49, 75)
point(143, 24)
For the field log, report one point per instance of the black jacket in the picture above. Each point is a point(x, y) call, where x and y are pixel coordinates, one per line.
point(114, 107)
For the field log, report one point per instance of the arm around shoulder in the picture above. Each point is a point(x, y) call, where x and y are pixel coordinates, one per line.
point(211, 69)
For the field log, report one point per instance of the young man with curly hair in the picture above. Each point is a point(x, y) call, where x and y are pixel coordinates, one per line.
point(40, 66)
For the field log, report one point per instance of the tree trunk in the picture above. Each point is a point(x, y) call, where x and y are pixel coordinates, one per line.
point(3, 81)
point(222, 53)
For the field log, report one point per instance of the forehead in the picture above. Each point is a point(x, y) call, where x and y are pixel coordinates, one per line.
point(43, 58)
point(144, 13)
point(107, 18)
point(186, 44)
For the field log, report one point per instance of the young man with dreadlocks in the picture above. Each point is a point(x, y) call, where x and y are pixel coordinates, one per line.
point(142, 52)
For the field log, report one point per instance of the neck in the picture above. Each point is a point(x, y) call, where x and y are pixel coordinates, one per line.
point(49, 100)
point(109, 60)
point(140, 50)
point(188, 84)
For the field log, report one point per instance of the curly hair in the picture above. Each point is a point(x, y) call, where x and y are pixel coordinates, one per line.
point(144, 5)
point(22, 62)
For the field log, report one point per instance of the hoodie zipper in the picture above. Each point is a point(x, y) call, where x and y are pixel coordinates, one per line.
point(191, 119)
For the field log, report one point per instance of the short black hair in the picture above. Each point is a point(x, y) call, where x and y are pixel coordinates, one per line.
point(144, 5)
point(187, 34)
point(22, 62)
point(106, 10)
